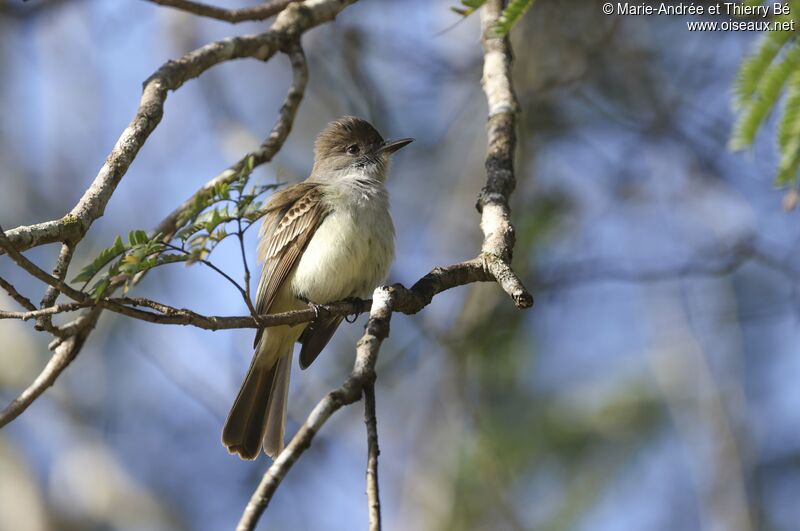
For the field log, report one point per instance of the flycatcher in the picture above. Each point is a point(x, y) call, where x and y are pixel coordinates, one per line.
point(325, 239)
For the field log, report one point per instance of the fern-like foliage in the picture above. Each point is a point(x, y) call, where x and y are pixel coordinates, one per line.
point(765, 96)
point(226, 209)
point(510, 15)
point(771, 71)
point(468, 7)
point(756, 64)
point(789, 133)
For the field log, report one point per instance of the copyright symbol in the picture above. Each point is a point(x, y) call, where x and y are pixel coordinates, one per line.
point(608, 8)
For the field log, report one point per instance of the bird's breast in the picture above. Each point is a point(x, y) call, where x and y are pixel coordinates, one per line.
point(349, 254)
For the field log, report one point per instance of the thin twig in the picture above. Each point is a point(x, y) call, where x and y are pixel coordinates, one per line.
point(45, 322)
point(64, 352)
point(247, 299)
point(212, 266)
point(260, 12)
point(38, 272)
point(373, 451)
point(16, 295)
point(50, 310)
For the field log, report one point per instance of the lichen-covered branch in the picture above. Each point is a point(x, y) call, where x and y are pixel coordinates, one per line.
point(259, 12)
point(284, 34)
point(498, 232)
point(44, 321)
point(292, 21)
point(268, 148)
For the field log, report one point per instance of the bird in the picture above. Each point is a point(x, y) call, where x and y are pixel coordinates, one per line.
point(325, 239)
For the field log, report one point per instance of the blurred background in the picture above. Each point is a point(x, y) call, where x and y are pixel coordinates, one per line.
point(653, 386)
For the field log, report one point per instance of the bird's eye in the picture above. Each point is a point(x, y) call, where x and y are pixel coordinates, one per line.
point(353, 150)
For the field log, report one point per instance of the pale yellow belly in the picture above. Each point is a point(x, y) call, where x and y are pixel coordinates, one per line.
point(348, 256)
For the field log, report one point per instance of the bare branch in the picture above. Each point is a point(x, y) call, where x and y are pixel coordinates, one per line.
point(38, 272)
point(44, 321)
point(169, 315)
point(49, 311)
point(284, 34)
point(363, 373)
point(260, 12)
point(175, 316)
point(64, 352)
point(408, 300)
point(498, 232)
point(291, 22)
point(264, 153)
point(16, 295)
point(373, 451)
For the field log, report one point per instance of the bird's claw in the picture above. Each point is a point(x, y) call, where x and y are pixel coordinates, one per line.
point(358, 304)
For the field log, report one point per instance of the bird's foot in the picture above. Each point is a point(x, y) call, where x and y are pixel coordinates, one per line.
point(358, 305)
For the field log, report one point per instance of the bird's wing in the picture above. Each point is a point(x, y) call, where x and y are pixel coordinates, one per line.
point(292, 217)
point(315, 337)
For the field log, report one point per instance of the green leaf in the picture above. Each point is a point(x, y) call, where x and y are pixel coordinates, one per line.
point(511, 15)
point(789, 163)
point(222, 190)
point(198, 240)
point(789, 125)
point(189, 231)
point(789, 134)
point(764, 99)
point(753, 68)
point(101, 260)
point(99, 289)
point(137, 237)
point(219, 235)
point(215, 219)
point(469, 7)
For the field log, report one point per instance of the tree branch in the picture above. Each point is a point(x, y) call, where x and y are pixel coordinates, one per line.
point(498, 232)
point(65, 351)
point(407, 300)
point(292, 21)
point(350, 392)
point(44, 321)
point(283, 34)
point(373, 451)
point(16, 295)
point(492, 264)
point(264, 153)
point(260, 12)
point(35, 314)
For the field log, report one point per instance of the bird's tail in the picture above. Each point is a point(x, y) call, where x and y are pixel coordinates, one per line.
point(258, 415)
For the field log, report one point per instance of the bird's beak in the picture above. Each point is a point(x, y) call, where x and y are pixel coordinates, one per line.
point(390, 146)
